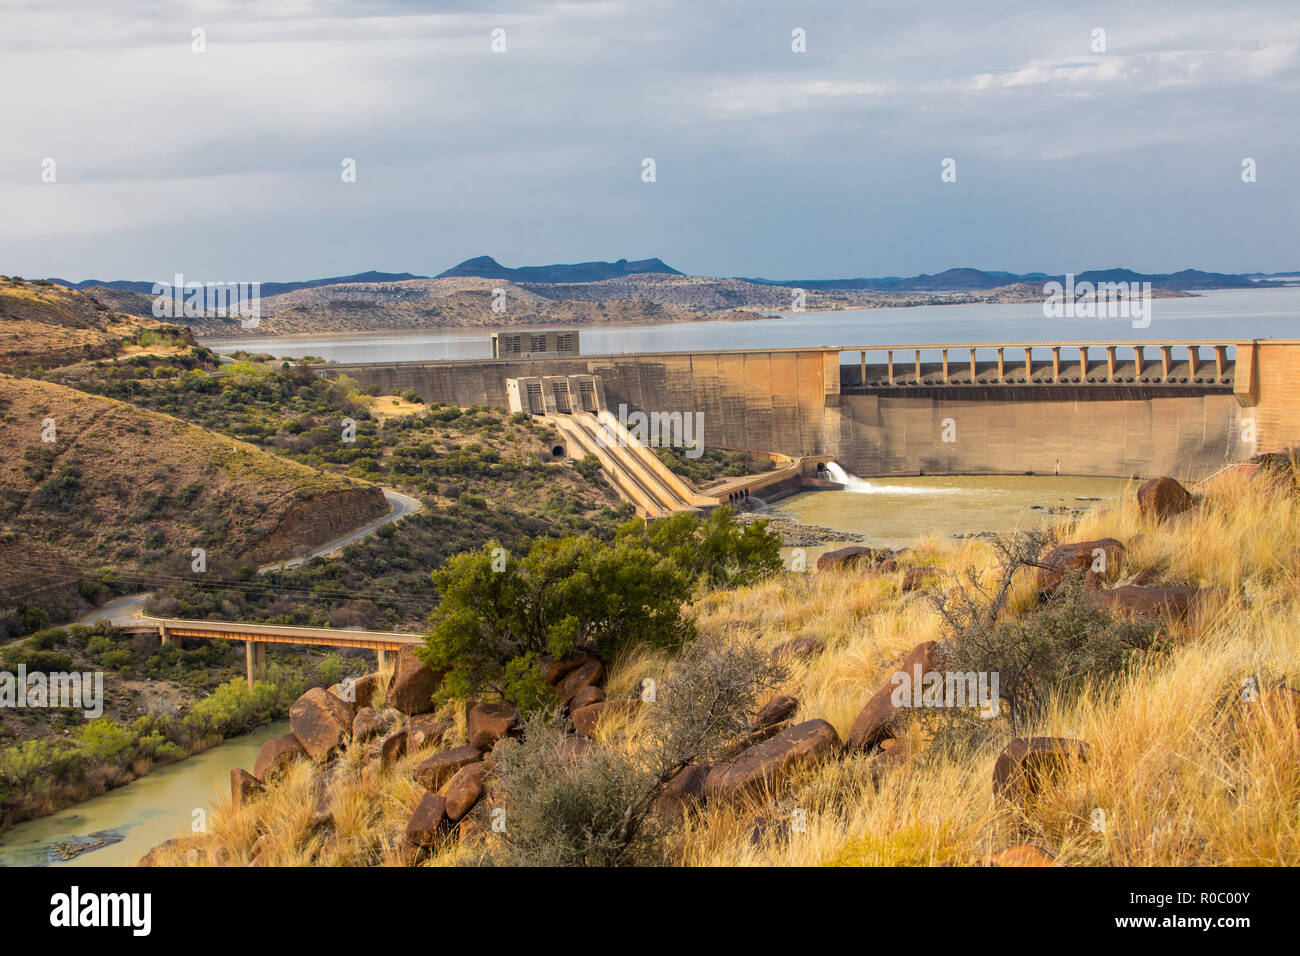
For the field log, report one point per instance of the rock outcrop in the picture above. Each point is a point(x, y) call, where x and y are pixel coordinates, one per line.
point(769, 763)
point(321, 722)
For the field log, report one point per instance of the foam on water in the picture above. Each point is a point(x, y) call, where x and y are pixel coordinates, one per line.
point(858, 486)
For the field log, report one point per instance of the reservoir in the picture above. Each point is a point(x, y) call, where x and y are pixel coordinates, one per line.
point(1221, 315)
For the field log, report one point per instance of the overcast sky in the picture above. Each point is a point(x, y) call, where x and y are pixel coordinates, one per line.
point(226, 164)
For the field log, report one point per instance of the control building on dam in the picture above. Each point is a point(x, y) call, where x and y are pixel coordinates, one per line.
point(1100, 409)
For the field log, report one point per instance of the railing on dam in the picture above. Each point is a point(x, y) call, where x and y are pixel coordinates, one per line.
point(1207, 366)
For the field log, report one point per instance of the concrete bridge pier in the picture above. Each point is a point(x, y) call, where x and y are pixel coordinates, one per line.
point(255, 661)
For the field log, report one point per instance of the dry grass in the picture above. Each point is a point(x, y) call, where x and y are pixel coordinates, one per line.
point(1181, 771)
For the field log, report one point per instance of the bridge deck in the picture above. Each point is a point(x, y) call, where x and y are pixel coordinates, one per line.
point(275, 634)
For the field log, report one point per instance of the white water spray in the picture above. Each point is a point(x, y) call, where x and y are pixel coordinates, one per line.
point(858, 486)
point(850, 482)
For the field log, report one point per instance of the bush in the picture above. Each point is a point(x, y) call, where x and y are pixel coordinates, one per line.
point(564, 594)
point(597, 811)
point(1053, 650)
point(714, 550)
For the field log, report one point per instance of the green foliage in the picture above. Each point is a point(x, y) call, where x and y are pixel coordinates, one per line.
point(717, 551)
point(104, 740)
point(564, 594)
point(713, 464)
point(588, 466)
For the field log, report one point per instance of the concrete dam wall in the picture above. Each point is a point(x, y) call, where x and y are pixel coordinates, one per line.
point(1090, 410)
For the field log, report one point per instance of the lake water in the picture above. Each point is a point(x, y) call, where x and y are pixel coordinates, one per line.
point(145, 812)
point(1220, 315)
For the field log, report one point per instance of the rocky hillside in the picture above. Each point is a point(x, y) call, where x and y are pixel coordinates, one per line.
point(47, 326)
point(101, 481)
point(1146, 717)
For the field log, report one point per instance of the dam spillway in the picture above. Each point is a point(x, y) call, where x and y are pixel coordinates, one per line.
point(1092, 408)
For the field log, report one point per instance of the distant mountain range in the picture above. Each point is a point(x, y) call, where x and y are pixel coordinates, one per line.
point(951, 280)
point(969, 280)
point(268, 288)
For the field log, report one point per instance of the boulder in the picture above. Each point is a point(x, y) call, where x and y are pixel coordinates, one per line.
point(843, 559)
point(392, 749)
point(413, 684)
point(438, 769)
point(488, 723)
point(427, 822)
point(801, 647)
point(1027, 764)
point(276, 754)
point(462, 791)
point(588, 695)
point(681, 794)
point(584, 675)
point(425, 729)
point(1024, 855)
point(344, 693)
point(879, 719)
point(1131, 600)
point(242, 786)
point(366, 724)
point(586, 718)
point(191, 845)
point(767, 764)
point(321, 722)
point(774, 711)
point(1162, 498)
point(915, 578)
point(364, 689)
point(1081, 556)
point(553, 669)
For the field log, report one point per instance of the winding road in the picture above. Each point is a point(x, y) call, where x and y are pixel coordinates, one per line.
point(126, 609)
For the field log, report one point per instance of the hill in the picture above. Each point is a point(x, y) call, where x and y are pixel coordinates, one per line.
point(967, 280)
point(102, 482)
point(488, 268)
point(47, 326)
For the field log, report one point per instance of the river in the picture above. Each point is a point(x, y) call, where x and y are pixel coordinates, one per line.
point(1223, 315)
point(144, 813)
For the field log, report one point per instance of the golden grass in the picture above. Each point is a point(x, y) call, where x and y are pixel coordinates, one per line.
point(1177, 774)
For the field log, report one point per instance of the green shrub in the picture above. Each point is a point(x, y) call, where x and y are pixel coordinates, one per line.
point(564, 594)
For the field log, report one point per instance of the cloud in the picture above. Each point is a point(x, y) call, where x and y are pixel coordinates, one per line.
point(769, 160)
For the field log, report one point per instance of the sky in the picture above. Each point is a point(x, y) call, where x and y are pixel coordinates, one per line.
point(227, 163)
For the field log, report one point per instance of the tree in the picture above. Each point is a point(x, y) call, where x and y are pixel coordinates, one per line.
point(498, 616)
point(717, 551)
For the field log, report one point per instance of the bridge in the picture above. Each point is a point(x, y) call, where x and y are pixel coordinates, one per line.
point(1117, 408)
point(255, 637)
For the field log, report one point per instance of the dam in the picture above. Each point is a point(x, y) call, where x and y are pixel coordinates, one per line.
point(1089, 409)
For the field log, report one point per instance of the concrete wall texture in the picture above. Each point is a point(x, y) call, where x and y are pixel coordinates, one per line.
point(789, 401)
